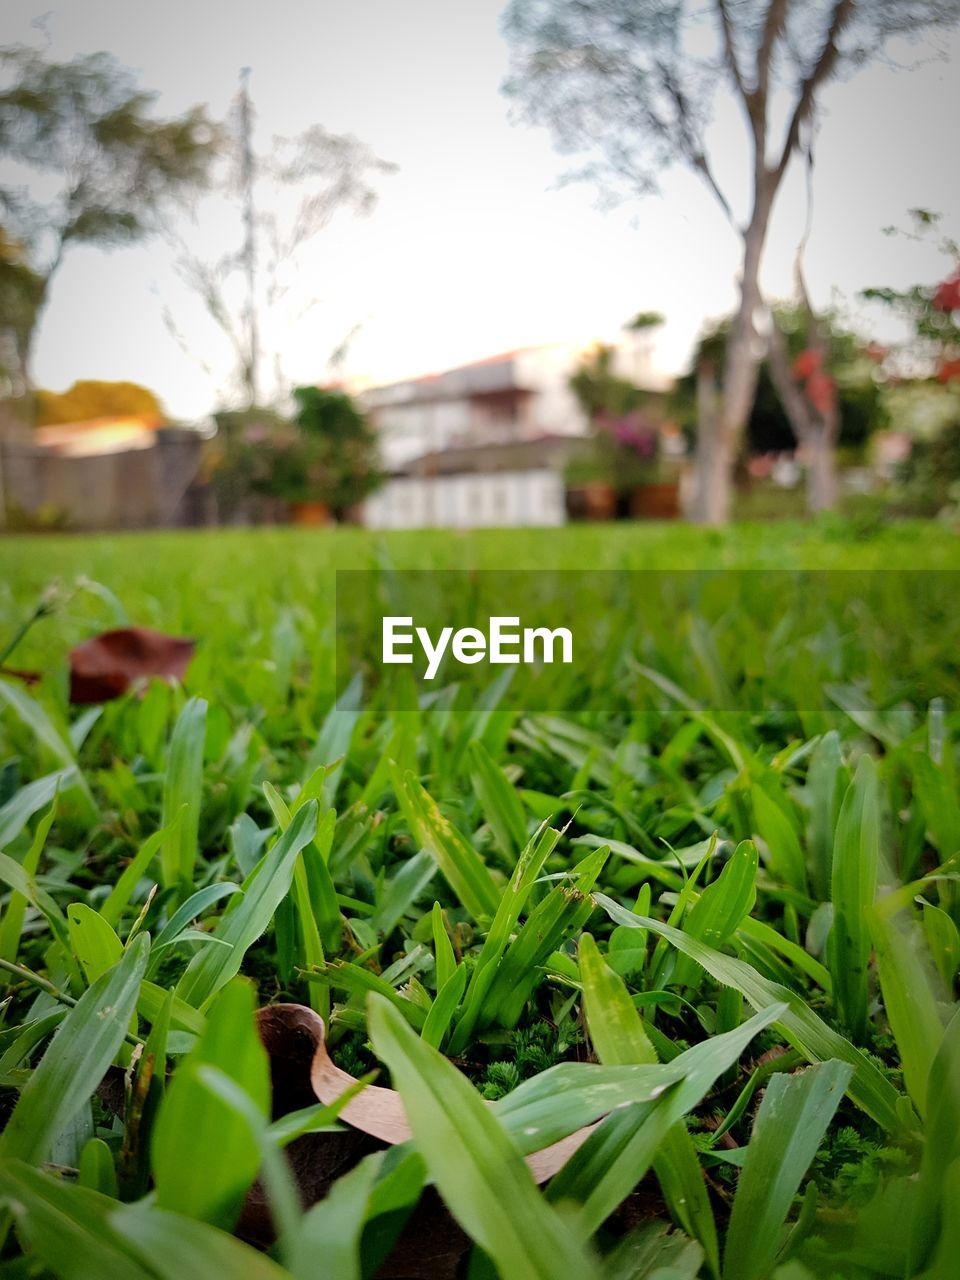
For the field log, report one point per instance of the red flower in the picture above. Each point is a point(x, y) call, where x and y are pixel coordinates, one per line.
point(807, 363)
point(822, 392)
point(949, 371)
point(947, 296)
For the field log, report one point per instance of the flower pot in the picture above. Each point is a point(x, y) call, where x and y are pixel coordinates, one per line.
point(310, 513)
point(655, 501)
point(599, 500)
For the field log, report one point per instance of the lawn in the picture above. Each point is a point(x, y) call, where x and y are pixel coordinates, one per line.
point(658, 980)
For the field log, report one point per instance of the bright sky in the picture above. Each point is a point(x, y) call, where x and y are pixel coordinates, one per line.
point(472, 249)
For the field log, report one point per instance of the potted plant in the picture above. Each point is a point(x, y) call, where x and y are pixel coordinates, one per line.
point(333, 463)
point(619, 471)
point(239, 464)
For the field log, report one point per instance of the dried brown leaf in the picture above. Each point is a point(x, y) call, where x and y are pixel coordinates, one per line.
point(106, 665)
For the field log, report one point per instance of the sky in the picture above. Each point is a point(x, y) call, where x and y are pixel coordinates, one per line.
point(473, 247)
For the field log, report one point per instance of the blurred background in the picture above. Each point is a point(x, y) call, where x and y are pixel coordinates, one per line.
point(423, 265)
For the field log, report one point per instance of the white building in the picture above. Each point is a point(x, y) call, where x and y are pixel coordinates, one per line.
point(478, 445)
point(486, 444)
point(508, 484)
point(520, 395)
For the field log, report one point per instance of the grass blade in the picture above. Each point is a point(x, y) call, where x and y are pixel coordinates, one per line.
point(856, 858)
point(459, 862)
point(12, 925)
point(68, 1227)
point(21, 807)
point(477, 1169)
point(182, 790)
point(908, 996)
point(721, 908)
point(784, 855)
point(77, 1058)
point(620, 1151)
point(204, 1156)
point(789, 1128)
point(499, 801)
point(179, 1247)
point(798, 1024)
point(618, 1037)
point(95, 944)
point(123, 890)
point(213, 967)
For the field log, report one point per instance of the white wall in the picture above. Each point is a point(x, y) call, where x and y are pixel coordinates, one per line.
point(411, 427)
point(484, 500)
point(553, 409)
point(408, 431)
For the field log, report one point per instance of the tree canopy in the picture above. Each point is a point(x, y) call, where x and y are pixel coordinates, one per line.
point(281, 196)
point(88, 399)
point(21, 295)
point(88, 162)
point(931, 311)
point(87, 123)
point(632, 85)
point(849, 361)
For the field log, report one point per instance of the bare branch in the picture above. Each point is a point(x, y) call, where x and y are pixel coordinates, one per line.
point(703, 168)
point(189, 350)
point(823, 69)
point(729, 47)
point(691, 144)
point(796, 406)
point(773, 27)
point(203, 280)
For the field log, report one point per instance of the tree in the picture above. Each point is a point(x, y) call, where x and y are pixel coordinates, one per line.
point(624, 421)
point(340, 448)
point(600, 389)
point(931, 311)
point(930, 476)
point(243, 289)
point(816, 386)
point(808, 394)
point(92, 165)
point(21, 294)
point(88, 399)
point(633, 82)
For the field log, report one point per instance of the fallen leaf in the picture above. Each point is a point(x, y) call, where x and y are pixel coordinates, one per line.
point(316, 1160)
point(431, 1245)
point(376, 1111)
point(105, 666)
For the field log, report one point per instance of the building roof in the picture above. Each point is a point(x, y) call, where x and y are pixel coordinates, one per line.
point(532, 454)
point(97, 436)
point(493, 373)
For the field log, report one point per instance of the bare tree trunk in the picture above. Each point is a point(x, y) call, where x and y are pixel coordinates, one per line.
point(821, 473)
point(21, 341)
point(712, 463)
point(718, 437)
point(12, 368)
point(247, 178)
point(717, 482)
point(816, 429)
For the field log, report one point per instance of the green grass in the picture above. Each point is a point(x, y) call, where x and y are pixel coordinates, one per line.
point(707, 912)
